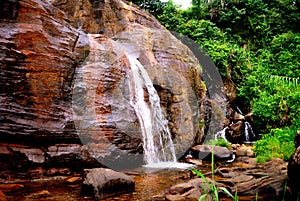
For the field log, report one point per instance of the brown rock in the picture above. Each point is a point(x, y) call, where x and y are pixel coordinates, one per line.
point(2, 196)
point(237, 129)
point(190, 190)
point(248, 117)
point(10, 187)
point(244, 151)
point(193, 161)
point(174, 197)
point(41, 194)
point(268, 180)
point(74, 180)
point(101, 183)
point(55, 61)
point(241, 178)
point(204, 151)
point(238, 117)
point(246, 160)
point(235, 146)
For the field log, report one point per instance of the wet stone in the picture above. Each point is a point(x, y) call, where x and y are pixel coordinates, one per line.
point(101, 183)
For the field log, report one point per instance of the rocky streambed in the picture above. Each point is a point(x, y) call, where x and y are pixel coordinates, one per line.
point(250, 180)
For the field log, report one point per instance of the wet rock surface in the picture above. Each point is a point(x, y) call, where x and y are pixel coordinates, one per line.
point(266, 180)
point(190, 190)
point(249, 178)
point(100, 183)
point(50, 67)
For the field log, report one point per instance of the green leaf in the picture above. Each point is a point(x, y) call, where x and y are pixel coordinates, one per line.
point(226, 191)
point(202, 197)
point(203, 177)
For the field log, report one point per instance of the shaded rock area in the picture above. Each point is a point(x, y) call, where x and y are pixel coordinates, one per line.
point(20, 157)
point(237, 126)
point(100, 183)
point(267, 181)
point(59, 58)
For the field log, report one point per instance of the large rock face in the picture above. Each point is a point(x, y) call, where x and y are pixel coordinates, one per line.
point(65, 74)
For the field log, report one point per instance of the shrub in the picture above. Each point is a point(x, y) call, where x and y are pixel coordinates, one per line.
point(278, 144)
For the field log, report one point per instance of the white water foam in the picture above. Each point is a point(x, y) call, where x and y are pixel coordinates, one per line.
point(159, 149)
point(248, 132)
point(169, 165)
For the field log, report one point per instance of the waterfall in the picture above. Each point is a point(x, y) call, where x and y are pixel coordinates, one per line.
point(239, 110)
point(157, 141)
point(249, 134)
point(221, 134)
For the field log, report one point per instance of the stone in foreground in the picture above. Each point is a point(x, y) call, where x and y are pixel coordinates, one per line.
point(101, 183)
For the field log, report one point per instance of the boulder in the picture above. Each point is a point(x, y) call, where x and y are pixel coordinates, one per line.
point(101, 183)
point(244, 151)
point(59, 155)
point(205, 151)
point(237, 128)
point(190, 190)
point(265, 180)
point(65, 80)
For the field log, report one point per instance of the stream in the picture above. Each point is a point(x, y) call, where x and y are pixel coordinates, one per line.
point(55, 188)
point(33, 185)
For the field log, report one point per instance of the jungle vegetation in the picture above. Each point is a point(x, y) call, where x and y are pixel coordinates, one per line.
point(256, 45)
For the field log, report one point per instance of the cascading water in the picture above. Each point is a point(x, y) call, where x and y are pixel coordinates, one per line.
point(249, 134)
point(159, 149)
point(158, 144)
point(221, 134)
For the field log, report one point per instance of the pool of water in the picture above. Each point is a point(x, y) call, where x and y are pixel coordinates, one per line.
point(152, 181)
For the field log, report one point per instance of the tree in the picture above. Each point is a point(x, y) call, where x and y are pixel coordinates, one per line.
point(155, 7)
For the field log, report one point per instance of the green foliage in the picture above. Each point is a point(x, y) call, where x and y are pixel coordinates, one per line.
point(278, 144)
point(256, 45)
point(154, 7)
point(282, 57)
point(171, 17)
point(256, 21)
point(220, 142)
